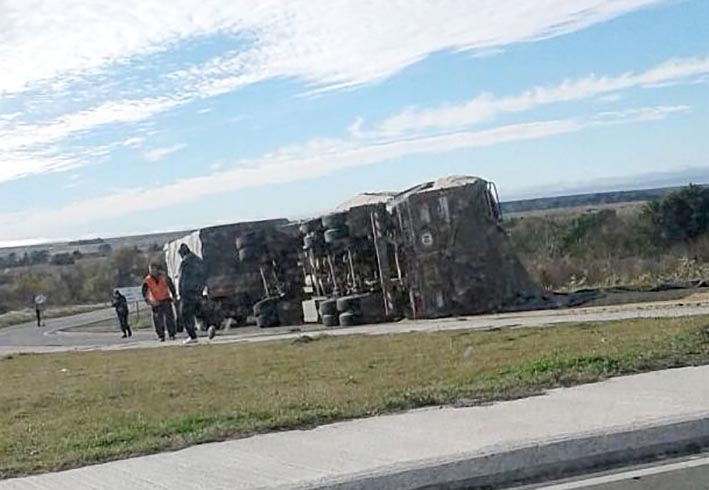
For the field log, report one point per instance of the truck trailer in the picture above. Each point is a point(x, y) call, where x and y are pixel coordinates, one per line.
point(437, 249)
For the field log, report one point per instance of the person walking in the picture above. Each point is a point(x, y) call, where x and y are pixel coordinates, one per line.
point(38, 307)
point(121, 305)
point(191, 283)
point(159, 293)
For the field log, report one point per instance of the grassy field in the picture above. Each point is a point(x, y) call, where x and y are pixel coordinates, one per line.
point(65, 410)
point(28, 315)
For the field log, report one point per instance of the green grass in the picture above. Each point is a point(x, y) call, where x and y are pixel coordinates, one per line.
point(64, 410)
point(28, 314)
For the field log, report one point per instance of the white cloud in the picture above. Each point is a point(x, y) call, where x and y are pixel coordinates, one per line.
point(333, 42)
point(28, 149)
point(341, 43)
point(133, 142)
point(73, 51)
point(609, 98)
point(159, 153)
point(23, 243)
point(312, 159)
point(22, 136)
point(487, 106)
point(16, 165)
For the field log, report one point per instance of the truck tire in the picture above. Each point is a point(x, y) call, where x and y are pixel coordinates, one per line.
point(310, 226)
point(328, 307)
point(266, 305)
point(330, 320)
point(335, 220)
point(349, 303)
point(349, 319)
point(289, 313)
point(372, 316)
point(312, 240)
point(372, 308)
point(333, 235)
point(267, 320)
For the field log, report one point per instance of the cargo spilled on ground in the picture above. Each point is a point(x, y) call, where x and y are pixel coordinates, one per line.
point(90, 407)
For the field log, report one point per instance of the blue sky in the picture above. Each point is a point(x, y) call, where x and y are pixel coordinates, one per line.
point(140, 116)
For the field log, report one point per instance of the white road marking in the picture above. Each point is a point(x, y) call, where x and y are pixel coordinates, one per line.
point(629, 475)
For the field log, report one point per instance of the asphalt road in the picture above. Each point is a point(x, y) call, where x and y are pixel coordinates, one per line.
point(683, 474)
point(60, 335)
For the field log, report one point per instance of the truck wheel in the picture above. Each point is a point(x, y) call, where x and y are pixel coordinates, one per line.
point(267, 320)
point(333, 235)
point(312, 240)
point(310, 226)
point(373, 316)
point(290, 313)
point(330, 320)
point(372, 308)
point(328, 307)
point(349, 303)
point(267, 305)
point(349, 319)
point(335, 220)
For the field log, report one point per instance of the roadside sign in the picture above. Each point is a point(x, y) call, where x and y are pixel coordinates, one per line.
point(133, 294)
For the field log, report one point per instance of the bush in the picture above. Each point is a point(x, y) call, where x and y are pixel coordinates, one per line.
point(665, 240)
point(681, 216)
point(62, 259)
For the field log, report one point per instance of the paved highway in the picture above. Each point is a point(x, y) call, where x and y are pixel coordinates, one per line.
point(58, 334)
point(684, 474)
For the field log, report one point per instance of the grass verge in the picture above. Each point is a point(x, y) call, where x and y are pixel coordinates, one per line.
point(66, 410)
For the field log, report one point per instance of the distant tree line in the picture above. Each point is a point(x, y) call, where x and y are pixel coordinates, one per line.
point(581, 200)
point(76, 282)
point(43, 256)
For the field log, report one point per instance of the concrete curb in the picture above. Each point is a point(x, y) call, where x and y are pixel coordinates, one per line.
point(534, 462)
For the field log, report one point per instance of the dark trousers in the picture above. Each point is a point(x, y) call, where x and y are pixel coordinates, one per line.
point(39, 316)
point(123, 320)
point(164, 318)
point(189, 309)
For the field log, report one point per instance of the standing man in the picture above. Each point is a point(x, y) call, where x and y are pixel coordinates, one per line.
point(121, 305)
point(159, 292)
point(193, 278)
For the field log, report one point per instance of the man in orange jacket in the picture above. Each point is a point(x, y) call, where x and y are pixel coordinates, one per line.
point(159, 292)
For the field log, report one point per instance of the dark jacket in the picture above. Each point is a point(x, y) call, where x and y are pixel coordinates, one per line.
point(120, 304)
point(193, 276)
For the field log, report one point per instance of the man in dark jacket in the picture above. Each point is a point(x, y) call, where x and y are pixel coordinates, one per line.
point(192, 280)
point(121, 305)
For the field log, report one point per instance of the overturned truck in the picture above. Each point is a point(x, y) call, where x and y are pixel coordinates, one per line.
point(431, 251)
